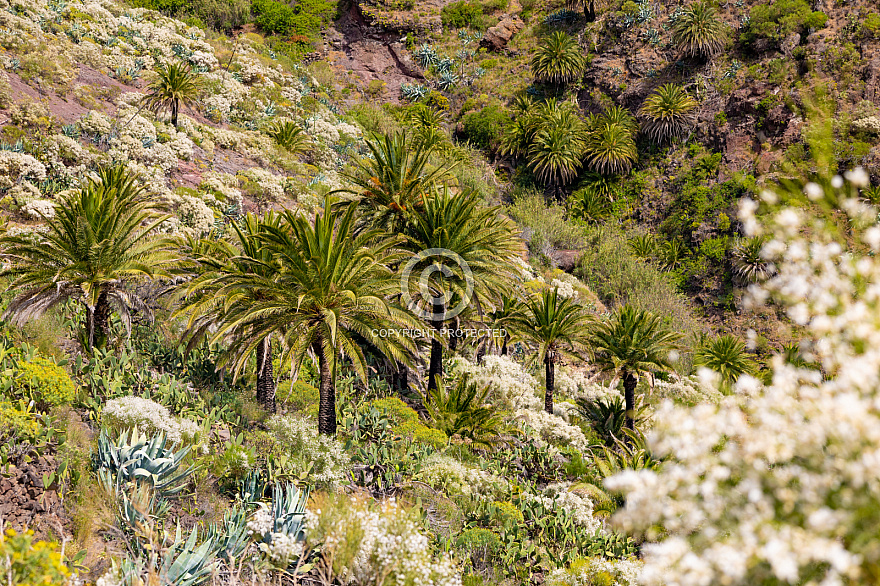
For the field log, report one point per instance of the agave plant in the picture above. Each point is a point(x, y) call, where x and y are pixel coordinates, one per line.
point(133, 457)
point(231, 534)
point(447, 80)
point(748, 265)
point(698, 31)
point(559, 59)
point(667, 113)
point(289, 510)
point(185, 564)
point(290, 136)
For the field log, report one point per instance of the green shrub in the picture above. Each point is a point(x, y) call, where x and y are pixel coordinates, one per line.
point(396, 410)
point(222, 15)
point(871, 24)
point(279, 18)
point(18, 423)
point(777, 20)
point(27, 563)
point(484, 128)
point(505, 513)
point(46, 383)
point(462, 14)
point(297, 395)
point(421, 434)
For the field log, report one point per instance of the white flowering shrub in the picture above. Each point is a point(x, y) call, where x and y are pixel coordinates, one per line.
point(592, 571)
point(689, 390)
point(39, 208)
point(148, 417)
point(558, 496)
point(564, 289)
point(300, 438)
point(456, 479)
point(512, 387)
point(552, 429)
point(777, 484)
point(372, 545)
point(16, 167)
point(195, 213)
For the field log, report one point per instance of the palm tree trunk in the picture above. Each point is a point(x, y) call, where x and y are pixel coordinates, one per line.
point(504, 345)
point(90, 328)
point(590, 10)
point(629, 395)
point(265, 378)
point(327, 393)
point(174, 107)
point(435, 367)
point(101, 321)
point(550, 375)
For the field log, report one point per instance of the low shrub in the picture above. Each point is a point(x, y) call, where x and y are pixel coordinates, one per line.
point(297, 395)
point(279, 18)
point(421, 434)
point(462, 14)
point(775, 21)
point(484, 128)
point(148, 417)
point(25, 562)
point(298, 437)
point(44, 382)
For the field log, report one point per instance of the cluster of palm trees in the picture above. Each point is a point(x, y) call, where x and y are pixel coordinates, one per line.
point(299, 288)
point(556, 142)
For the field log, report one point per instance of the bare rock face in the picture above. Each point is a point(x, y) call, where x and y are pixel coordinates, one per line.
point(497, 37)
point(789, 43)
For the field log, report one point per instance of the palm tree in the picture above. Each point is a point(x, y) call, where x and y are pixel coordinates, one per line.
point(588, 205)
point(175, 84)
point(504, 316)
point(588, 6)
point(667, 113)
point(327, 295)
point(289, 136)
point(558, 59)
point(699, 32)
point(727, 356)
point(462, 410)
point(100, 241)
point(748, 264)
point(557, 326)
point(610, 147)
point(463, 254)
point(394, 182)
point(556, 151)
point(630, 343)
point(234, 271)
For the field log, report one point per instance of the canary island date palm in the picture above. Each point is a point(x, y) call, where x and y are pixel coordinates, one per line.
point(610, 146)
point(557, 326)
point(726, 355)
point(100, 241)
point(558, 59)
point(234, 271)
point(329, 291)
point(175, 84)
point(667, 113)
point(392, 184)
point(630, 343)
point(462, 251)
point(289, 136)
point(699, 32)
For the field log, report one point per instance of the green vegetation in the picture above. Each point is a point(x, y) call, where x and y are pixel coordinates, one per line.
point(175, 85)
point(777, 20)
point(558, 59)
point(699, 32)
point(667, 113)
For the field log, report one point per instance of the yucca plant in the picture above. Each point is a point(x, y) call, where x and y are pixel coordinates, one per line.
point(726, 355)
point(643, 245)
point(667, 113)
point(558, 59)
point(290, 136)
point(610, 147)
point(698, 31)
point(461, 409)
point(748, 264)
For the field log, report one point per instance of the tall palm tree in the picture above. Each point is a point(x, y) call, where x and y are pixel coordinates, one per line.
point(175, 84)
point(631, 343)
point(99, 242)
point(557, 326)
point(463, 253)
point(667, 113)
point(329, 291)
point(504, 316)
point(699, 32)
point(394, 182)
point(234, 271)
point(558, 59)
